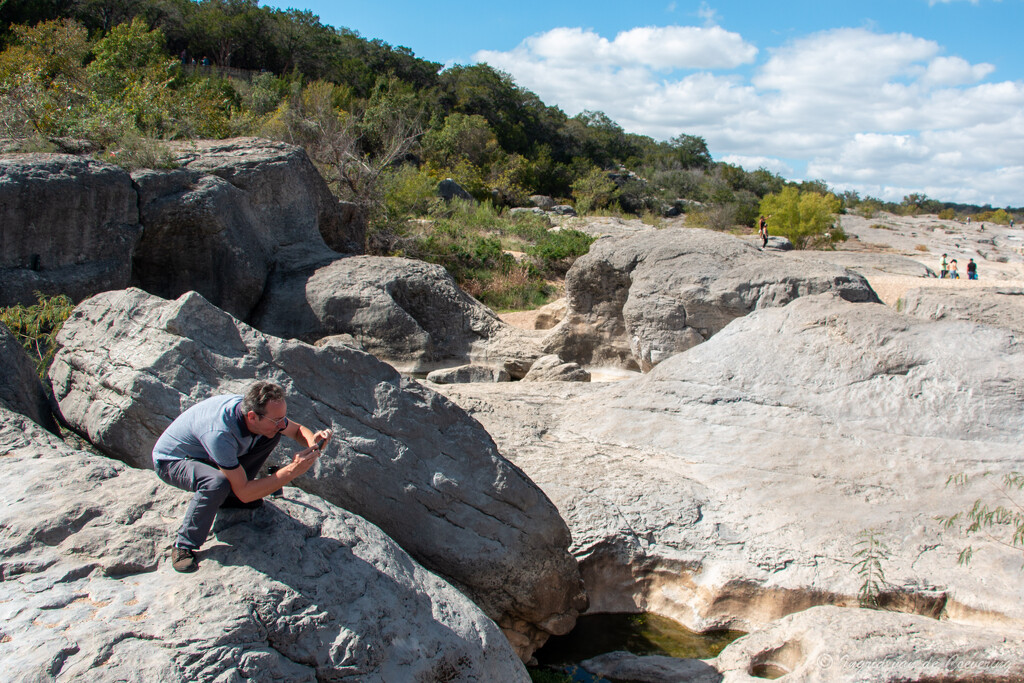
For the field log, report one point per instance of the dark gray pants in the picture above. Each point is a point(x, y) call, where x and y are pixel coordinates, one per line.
point(211, 488)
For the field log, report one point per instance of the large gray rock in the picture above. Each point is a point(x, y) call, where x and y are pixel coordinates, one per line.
point(869, 263)
point(406, 312)
point(298, 591)
point(468, 373)
point(236, 211)
point(287, 194)
point(448, 190)
point(996, 306)
point(199, 236)
point(554, 369)
point(404, 457)
point(732, 484)
point(635, 301)
point(20, 388)
point(69, 226)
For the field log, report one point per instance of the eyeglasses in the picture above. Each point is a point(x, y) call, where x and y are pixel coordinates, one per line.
point(280, 424)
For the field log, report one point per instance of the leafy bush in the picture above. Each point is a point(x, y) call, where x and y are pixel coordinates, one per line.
point(806, 218)
point(37, 326)
point(558, 248)
point(593, 190)
point(505, 262)
point(999, 216)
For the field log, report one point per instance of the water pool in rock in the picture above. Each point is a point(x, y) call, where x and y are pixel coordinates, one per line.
point(641, 634)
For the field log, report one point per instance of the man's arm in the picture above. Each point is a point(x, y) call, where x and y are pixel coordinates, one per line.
point(247, 491)
point(303, 435)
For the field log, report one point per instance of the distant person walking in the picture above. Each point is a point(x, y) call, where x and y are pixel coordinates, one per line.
point(972, 270)
point(762, 230)
point(953, 274)
point(943, 268)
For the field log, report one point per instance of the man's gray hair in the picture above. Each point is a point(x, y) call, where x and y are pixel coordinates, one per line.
point(259, 395)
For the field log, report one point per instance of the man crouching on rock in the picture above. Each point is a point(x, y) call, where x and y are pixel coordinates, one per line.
point(217, 447)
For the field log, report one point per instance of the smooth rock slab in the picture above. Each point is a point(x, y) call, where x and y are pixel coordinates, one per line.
point(404, 457)
point(996, 306)
point(869, 646)
point(731, 485)
point(297, 591)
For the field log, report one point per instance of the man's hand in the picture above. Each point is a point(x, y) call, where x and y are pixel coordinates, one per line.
point(302, 461)
point(323, 435)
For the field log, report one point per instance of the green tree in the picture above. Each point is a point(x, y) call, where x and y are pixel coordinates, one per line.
point(462, 136)
point(804, 217)
point(593, 190)
point(691, 151)
point(43, 84)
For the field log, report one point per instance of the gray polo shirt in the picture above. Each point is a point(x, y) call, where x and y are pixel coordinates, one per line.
point(212, 431)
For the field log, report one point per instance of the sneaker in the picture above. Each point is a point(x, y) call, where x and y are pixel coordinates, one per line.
point(233, 502)
point(183, 560)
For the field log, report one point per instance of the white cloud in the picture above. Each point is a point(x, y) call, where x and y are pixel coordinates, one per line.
point(750, 163)
point(668, 47)
point(863, 110)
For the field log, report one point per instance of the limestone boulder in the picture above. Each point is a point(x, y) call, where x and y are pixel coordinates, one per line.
point(232, 214)
point(870, 263)
point(406, 312)
point(829, 644)
point(736, 482)
point(404, 457)
point(553, 369)
point(20, 389)
point(288, 196)
point(300, 590)
point(70, 226)
point(468, 373)
point(199, 237)
point(997, 306)
point(635, 301)
point(542, 202)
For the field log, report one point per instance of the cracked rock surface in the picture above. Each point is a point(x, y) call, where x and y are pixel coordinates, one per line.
point(404, 457)
point(299, 590)
point(731, 485)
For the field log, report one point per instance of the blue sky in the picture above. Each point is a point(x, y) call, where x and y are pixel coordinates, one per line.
point(886, 98)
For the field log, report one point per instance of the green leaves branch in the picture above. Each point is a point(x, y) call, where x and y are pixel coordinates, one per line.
point(1000, 521)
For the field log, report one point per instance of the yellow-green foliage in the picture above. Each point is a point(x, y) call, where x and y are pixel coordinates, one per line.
point(806, 218)
point(42, 79)
point(36, 326)
point(998, 216)
point(593, 190)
